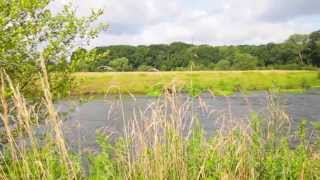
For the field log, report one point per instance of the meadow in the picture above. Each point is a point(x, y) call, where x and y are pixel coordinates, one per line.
point(217, 82)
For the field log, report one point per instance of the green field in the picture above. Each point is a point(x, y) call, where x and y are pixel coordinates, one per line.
point(218, 82)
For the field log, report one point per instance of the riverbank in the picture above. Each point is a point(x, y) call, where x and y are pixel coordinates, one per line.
point(218, 82)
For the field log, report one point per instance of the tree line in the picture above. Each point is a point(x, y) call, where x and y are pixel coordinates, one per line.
point(297, 52)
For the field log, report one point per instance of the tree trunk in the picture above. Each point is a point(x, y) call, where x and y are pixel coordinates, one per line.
point(301, 57)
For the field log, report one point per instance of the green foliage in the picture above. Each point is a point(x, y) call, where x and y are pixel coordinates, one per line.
point(27, 154)
point(193, 89)
point(120, 64)
point(223, 65)
point(313, 49)
point(264, 152)
point(288, 66)
point(155, 90)
point(244, 62)
point(83, 60)
point(101, 165)
point(301, 50)
point(144, 68)
point(298, 43)
point(305, 84)
point(44, 162)
point(30, 31)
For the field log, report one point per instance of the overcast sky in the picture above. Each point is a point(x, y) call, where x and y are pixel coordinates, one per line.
point(215, 22)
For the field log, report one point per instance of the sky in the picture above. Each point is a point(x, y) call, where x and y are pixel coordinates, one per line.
point(214, 22)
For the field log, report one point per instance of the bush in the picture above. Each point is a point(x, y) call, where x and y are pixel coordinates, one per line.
point(223, 65)
point(156, 90)
point(145, 68)
point(294, 67)
point(120, 64)
point(211, 66)
point(288, 67)
point(181, 69)
point(305, 84)
point(193, 90)
point(244, 62)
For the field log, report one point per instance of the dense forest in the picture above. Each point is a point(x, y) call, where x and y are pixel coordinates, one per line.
point(297, 52)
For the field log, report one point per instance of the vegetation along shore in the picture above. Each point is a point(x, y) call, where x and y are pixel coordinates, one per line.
point(217, 82)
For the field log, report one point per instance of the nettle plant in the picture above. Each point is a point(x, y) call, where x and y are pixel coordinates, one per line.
point(30, 30)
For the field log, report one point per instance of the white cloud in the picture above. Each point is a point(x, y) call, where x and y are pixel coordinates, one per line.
point(214, 22)
point(285, 10)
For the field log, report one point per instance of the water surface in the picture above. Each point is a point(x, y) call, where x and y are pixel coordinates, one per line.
point(110, 113)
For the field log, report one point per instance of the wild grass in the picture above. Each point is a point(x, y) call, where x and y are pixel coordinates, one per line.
point(38, 157)
point(165, 146)
point(218, 82)
point(162, 144)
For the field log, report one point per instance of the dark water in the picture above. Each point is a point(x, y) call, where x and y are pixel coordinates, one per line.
point(111, 113)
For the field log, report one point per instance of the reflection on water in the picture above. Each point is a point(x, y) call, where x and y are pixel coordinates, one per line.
point(111, 113)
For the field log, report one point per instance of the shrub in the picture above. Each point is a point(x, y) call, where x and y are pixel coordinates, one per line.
point(193, 89)
point(120, 64)
point(243, 61)
point(305, 84)
point(223, 65)
point(145, 68)
point(156, 90)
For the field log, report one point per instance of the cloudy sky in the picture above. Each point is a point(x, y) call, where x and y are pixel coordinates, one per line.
point(215, 22)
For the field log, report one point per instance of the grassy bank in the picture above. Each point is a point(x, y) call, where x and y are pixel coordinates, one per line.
point(218, 82)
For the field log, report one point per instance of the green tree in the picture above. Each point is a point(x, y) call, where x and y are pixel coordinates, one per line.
point(139, 56)
point(206, 54)
point(177, 55)
point(29, 30)
point(120, 64)
point(297, 50)
point(223, 65)
point(313, 48)
point(298, 43)
point(83, 60)
point(243, 61)
point(157, 56)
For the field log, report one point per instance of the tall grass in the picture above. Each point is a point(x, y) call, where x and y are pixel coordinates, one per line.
point(165, 146)
point(35, 158)
point(162, 144)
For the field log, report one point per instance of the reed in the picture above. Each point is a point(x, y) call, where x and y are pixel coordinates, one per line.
point(164, 145)
point(28, 156)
